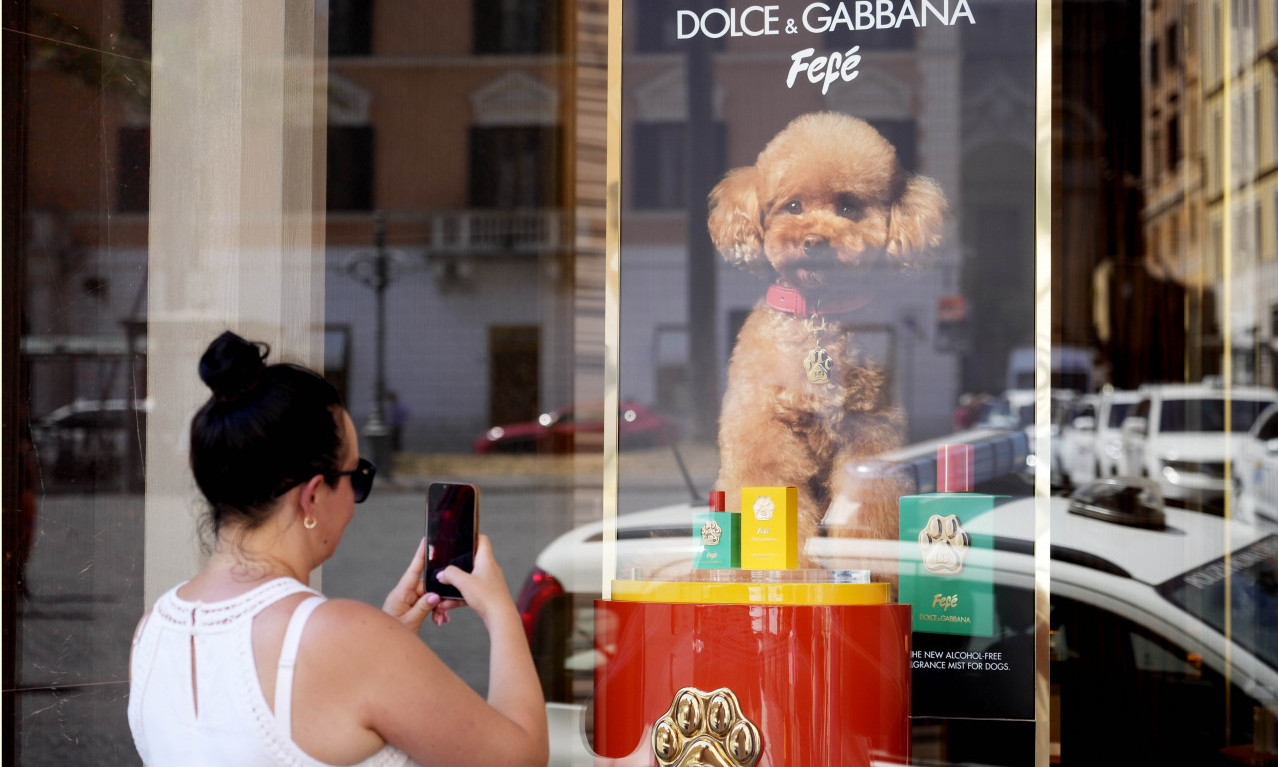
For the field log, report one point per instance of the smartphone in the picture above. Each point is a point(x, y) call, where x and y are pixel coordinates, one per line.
point(452, 532)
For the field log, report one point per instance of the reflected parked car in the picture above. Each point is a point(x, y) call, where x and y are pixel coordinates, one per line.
point(1182, 435)
point(1142, 658)
point(1090, 438)
point(1073, 449)
point(1015, 409)
point(1114, 406)
point(578, 427)
point(89, 443)
point(1256, 469)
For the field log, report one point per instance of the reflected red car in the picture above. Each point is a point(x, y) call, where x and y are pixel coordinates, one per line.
point(579, 427)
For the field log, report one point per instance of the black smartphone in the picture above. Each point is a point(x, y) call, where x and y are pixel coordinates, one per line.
point(452, 531)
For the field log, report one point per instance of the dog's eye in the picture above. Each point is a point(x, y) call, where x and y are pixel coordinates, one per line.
point(794, 207)
point(850, 207)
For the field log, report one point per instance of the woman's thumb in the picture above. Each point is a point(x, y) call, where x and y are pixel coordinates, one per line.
point(426, 602)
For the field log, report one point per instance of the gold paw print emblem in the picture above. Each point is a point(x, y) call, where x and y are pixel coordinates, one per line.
point(710, 533)
point(705, 728)
point(944, 543)
point(818, 366)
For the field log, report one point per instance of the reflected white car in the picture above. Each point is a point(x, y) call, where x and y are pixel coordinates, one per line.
point(1113, 409)
point(1091, 440)
point(1139, 639)
point(1183, 436)
point(1074, 449)
point(1257, 471)
point(1015, 409)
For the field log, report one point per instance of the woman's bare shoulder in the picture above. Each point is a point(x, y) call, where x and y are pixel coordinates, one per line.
point(353, 616)
point(351, 624)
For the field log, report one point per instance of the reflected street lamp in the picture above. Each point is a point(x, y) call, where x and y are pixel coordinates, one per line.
point(374, 270)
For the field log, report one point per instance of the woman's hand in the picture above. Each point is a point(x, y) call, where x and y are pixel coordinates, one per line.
point(408, 602)
point(484, 589)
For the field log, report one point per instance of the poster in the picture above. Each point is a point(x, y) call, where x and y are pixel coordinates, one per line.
point(805, 187)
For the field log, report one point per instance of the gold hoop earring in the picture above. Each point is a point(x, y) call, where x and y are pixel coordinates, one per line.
point(309, 523)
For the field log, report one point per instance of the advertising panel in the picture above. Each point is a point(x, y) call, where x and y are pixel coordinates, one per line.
point(826, 228)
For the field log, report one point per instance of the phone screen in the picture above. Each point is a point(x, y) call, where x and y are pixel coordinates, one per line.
point(452, 515)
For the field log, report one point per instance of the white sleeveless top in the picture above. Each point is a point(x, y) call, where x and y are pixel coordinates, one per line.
point(233, 723)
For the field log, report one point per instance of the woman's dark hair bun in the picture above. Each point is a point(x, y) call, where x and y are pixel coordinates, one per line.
point(231, 366)
point(266, 429)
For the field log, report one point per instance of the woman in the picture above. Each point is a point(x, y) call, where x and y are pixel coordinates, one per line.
point(245, 665)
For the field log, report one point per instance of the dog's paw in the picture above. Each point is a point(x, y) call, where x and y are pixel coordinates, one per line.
point(818, 366)
point(944, 543)
point(705, 728)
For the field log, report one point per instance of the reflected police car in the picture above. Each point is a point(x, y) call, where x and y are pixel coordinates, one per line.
point(1158, 617)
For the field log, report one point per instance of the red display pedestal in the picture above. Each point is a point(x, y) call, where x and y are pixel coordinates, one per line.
point(823, 684)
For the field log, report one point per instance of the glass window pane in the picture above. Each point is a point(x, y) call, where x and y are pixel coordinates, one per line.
point(418, 203)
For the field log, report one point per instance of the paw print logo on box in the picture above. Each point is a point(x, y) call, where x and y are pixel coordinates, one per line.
point(763, 508)
point(710, 533)
point(944, 543)
point(705, 728)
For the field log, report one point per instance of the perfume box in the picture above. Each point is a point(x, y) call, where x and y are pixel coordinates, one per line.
point(769, 528)
point(720, 536)
point(945, 572)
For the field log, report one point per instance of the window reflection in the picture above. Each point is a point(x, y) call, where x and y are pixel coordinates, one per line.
point(480, 137)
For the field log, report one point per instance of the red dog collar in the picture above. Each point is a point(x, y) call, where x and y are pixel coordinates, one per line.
point(789, 300)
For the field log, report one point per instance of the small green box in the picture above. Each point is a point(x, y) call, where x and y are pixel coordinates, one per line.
point(720, 535)
point(946, 574)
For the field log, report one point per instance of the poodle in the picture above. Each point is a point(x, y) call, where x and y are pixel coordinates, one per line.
point(825, 201)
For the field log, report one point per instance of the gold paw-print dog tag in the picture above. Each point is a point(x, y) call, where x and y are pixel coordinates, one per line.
point(818, 366)
point(705, 728)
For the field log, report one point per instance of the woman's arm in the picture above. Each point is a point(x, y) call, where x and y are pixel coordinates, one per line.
point(513, 686)
point(358, 660)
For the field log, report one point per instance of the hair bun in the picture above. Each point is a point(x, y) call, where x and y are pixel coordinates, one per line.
point(231, 365)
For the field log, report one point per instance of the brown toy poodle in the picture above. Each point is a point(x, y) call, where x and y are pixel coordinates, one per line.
point(825, 202)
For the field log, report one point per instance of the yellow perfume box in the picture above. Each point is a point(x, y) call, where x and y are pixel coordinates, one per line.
point(769, 528)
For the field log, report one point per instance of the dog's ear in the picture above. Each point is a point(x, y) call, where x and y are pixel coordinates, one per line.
point(918, 218)
point(736, 223)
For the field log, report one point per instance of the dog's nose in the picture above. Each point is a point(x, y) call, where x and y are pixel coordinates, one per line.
point(815, 243)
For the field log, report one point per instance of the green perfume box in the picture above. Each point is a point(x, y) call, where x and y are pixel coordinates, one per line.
point(720, 536)
point(945, 573)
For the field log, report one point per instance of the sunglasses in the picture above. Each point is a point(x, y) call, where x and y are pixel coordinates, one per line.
point(361, 478)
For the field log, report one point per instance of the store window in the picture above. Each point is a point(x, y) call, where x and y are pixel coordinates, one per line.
point(514, 167)
point(349, 182)
point(420, 203)
point(350, 28)
point(1174, 150)
point(516, 26)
